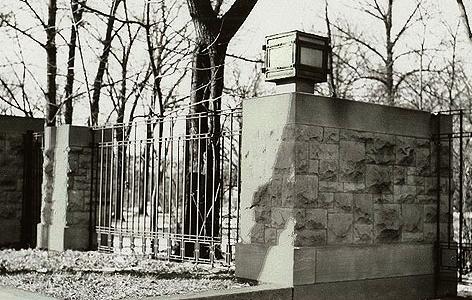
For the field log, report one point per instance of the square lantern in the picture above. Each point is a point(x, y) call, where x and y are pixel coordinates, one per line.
point(296, 55)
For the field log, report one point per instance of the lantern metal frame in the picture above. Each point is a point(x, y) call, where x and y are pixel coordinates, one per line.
point(294, 41)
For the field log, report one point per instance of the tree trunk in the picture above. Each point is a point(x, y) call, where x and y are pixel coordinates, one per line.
point(77, 11)
point(51, 53)
point(203, 157)
point(97, 84)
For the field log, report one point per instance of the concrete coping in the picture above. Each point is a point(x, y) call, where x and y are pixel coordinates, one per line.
point(309, 109)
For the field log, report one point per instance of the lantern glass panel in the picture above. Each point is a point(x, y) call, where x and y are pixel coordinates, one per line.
point(311, 57)
point(280, 57)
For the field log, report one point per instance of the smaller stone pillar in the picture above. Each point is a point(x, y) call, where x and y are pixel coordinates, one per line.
point(66, 209)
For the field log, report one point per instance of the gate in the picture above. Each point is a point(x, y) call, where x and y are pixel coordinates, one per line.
point(32, 180)
point(169, 187)
point(454, 208)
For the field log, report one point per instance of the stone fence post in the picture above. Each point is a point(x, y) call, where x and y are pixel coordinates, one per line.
point(338, 198)
point(66, 210)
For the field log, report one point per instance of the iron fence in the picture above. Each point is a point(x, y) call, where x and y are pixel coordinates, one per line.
point(454, 207)
point(169, 187)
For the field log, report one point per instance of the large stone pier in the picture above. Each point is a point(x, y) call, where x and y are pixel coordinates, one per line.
point(339, 198)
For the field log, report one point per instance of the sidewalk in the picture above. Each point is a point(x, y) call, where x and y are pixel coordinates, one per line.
point(8, 293)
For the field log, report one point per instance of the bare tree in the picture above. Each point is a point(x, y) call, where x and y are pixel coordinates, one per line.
point(386, 76)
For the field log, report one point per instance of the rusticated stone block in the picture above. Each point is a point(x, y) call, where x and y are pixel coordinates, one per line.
point(340, 228)
point(328, 170)
point(430, 213)
point(357, 136)
point(387, 223)
point(328, 186)
point(379, 179)
point(270, 236)
point(314, 133)
point(313, 167)
point(382, 198)
point(331, 135)
point(405, 193)
point(258, 233)
point(324, 151)
point(363, 233)
point(423, 161)
point(381, 150)
point(325, 200)
point(352, 161)
point(349, 187)
point(310, 238)
point(313, 219)
point(343, 203)
point(363, 209)
point(262, 214)
point(399, 175)
point(306, 191)
point(412, 216)
point(405, 151)
point(301, 163)
point(279, 216)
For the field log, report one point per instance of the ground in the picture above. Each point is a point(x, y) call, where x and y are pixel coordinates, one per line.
point(93, 275)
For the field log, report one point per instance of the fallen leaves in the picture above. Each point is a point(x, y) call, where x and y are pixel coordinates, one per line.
point(93, 275)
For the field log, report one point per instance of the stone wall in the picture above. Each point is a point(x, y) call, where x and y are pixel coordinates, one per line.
point(12, 130)
point(350, 187)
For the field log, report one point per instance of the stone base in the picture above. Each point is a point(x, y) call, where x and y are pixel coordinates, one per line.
point(405, 288)
point(42, 239)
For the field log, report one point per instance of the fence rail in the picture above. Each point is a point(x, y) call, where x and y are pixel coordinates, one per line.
point(169, 187)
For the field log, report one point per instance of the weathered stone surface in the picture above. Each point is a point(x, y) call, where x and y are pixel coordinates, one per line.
point(302, 133)
point(381, 150)
point(285, 157)
point(405, 193)
point(423, 161)
point(325, 200)
point(382, 198)
point(405, 151)
point(412, 217)
point(430, 213)
point(310, 238)
point(262, 214)
point(328, 186)
point(363, 233)
point(352, 161)
point(270, 236)
point(363, 209)
point(340, 228)
point(399, 175)
point(353, 135)
point(301, 163)
point(306, 191)
point(328, 170)
point(331, 135)
point(343, 202)
point(313, 167)
point(353, 187)
point(313, 219)
point(387, 222)
point(258, 233)
point(379, 179)
point(324, 151)
point(279, 216)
